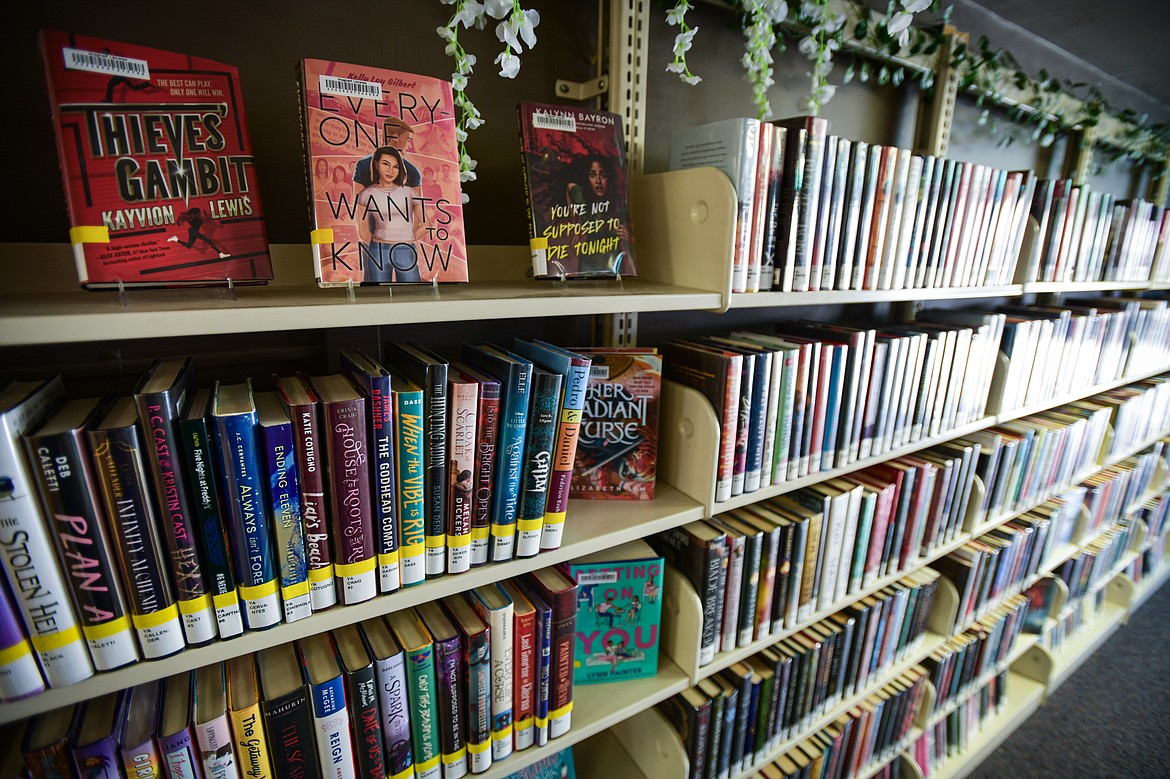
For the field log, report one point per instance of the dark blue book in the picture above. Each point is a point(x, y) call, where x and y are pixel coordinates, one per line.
point(833, 411)
point(538, 455)
point(374, 382)
point(758, 416)
point(233, 413)
point(515, 376)
point(429, 371)
point(544, 630)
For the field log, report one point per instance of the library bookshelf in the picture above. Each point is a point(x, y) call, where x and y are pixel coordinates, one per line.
point(684, 265)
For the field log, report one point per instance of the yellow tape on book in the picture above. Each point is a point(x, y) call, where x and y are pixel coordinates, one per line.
point(436, 542)
point(90, 234)
point(528, 525)
point(106, 629)
point(502, 735)
point(555, 518)
point(259, 591)
point(525, 723)
point(454, 757)
point(538, 243)
point(459, 541)
point(414, 550)
point(15, 652)
point(324, 235)
point(500, 531)
point(422, 768)
point(225, 600)
point(542, 722)
point(156, 618)
point(479, 533)
point(388, 558)
point(195, 605)
point(355, 569)
point(407, 773)
point(479, 749)
point(562, 711)
point(322, 574)
point(295, 590)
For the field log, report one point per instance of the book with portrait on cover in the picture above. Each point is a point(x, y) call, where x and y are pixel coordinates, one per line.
point(383, 169)
point(157, 164)
point(578, 192)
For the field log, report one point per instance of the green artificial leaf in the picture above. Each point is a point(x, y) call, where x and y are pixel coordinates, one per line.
point(883, 75)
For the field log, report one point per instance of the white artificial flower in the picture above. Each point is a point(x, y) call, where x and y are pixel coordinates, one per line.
point(808, 47)
point(529, 21)
point(675, 15)
point(468, 13)
point(691, 79)
point(900, 21)
point(682, 41)
point(775, 10)
point(460, 135)
point(506, 32)
point(509, 64)
point(676, 67)
point(498, 9)
point(914, 6)
point(446, 33)
point(458, 82)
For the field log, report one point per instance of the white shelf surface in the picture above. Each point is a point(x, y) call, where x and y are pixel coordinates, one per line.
point(590, 527)
point(767, 299)
point(1044, 405)
point(1040, 287)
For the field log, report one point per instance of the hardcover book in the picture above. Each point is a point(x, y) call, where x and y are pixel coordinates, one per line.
point(496, 611)
point(476, 669)
point(46, 744)
point(383, 170)
point(557, 590)
point(288, 713)
point(393, 703)
point(619, 613)
point(157, 163)
point(212, 731)
point(19, 675)
point(578, 201)
point(538, 452)
point(487, 430)
point(176, 734)
point(322, 669)
point(362, 693)
point(451, 688)
point(94, 740)
point(251, 744)
point(617, 447)
point(410, 634)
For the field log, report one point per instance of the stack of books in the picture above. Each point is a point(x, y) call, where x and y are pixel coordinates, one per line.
point(952, 734)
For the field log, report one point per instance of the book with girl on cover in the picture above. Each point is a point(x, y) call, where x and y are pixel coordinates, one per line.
point(383, 170)
point(157, 163)
point(578, 198)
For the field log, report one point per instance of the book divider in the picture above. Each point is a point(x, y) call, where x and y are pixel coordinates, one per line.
point(653, 746)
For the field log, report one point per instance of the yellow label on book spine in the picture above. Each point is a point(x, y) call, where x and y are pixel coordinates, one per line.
point(14, 653)
point(259, 591)
point(89, 234)
point(322, 574)
point(321, 236)
point(360, 568)
point(434, 542)
point(529, 525)
point(106, 629)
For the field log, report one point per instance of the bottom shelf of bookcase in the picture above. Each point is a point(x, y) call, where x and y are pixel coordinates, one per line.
point(1023, 698)
point(1148, 587)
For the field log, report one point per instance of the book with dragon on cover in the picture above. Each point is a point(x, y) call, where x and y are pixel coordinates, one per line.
point(157, 163)
point(383, 168)
point(617, 445)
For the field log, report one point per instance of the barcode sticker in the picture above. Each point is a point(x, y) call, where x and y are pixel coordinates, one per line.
point(109, 64)
point(596, 577)
point(350, 87)
point(600, 372)
point(562, 122)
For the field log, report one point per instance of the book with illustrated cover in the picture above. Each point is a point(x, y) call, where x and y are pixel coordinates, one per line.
point(383, 172)
point(619, 613)
point(157, 163)
point(578, 198)
point(617, 445)
point(175, 732)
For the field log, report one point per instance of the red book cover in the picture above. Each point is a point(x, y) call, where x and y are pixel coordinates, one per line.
point(157, 165)
point(487, 429)
point(578, 203)
point(524, 667)
point(383, 169)
point(559, 591)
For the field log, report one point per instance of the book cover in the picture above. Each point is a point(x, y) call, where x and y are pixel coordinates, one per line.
point(233, 414)
point(429, 371)
point(495, 608)
point(374, 382)
point(411, 443)
point(304, 410)
point(59, 453)
point(699, 552)
point(544, 623)
point(361, 692)
point(36, 581)
point(212, 731)
point(117, 448)
point(19, 675)
point(538, 453)
point(487, 429)
point(617, 447)
point(462, 420)
point(176, 734)
point(451, 687)
point(574, 168)
point(196, 438)
point(283, 494)
point(525, 666)
point(393, 704)
point(45, 745)
point(382, 164)
point(475, 644)
point(556, 766)
point(251, 743)
point(322, 670)
point(158, 396)
point(157, 165)
point(689, 713)
point(288, 713)
point(619, 613)
point(560, 593)
point(94, 737)
point(574, 368)
point(418, 647)
point(347, 473)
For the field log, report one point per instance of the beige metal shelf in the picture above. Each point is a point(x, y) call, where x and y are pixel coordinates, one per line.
point(848, 297)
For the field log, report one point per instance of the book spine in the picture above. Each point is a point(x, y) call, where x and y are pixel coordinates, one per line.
point(500, 628)
point(215, 749)
point(331, 729)
point(524, 680)
point(349, 487)
point(564, 453)
point(382, 482)
point(743, 406)
point(394, 706)
point(450, 691)
point(250, 742)
point(144, 760)
point(477, 670)
point(543, 673)
point(411, 486)
point(243, 496)
point(365, 724)
point(156, 412)
point(307, 444)
point(19, 675)
point(180, 755)
point(289, 723)
point(284, 501)
point(487, 430)
point(435, 398)
point(513, 426)
point(464, 398)
point(564, 640)
point(420, 666)
point(733, 592)
point(538, 453)
point(156, 618)
point(71, 501)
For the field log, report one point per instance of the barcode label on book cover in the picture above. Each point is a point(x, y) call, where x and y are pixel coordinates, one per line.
point(596, 577)
point(599, 372)
point(350, 87)
point(554, 122)
point(109, 64)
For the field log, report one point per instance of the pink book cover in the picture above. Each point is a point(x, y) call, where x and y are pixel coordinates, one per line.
point(157, 164)
point(383, 172)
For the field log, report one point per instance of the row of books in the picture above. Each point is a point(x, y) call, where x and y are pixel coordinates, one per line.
point(1085, 235)
point(1116, 491)
point(820, 212)
point(952, 735)
point(1153, 514)
point(812, 396)
point(178, 514)
point(441, 690)
point(1082, 614)
point(764, 568)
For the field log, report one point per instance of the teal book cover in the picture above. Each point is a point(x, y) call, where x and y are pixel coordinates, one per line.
point(619, 613)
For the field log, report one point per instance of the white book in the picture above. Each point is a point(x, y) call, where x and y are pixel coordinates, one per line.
point(836, 521)
point(896, 273)
point(837, 208)
point(921, 206)
point(869, 195)
point(849, 541)
point(851, 224)
point(495, 609)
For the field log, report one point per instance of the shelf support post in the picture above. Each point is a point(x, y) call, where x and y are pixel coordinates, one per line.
point(934, 125)
point(1080, 156)
point(628, 48)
